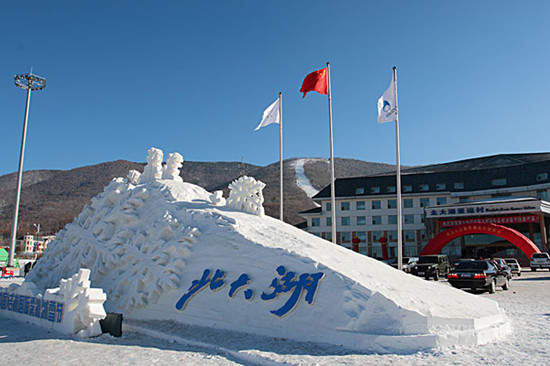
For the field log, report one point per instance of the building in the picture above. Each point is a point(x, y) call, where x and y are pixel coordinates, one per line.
point(33, 243)
point(508, 189)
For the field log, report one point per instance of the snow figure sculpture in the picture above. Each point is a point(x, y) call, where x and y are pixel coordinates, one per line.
point(217, 198)
point(153, 169)
point(246, 195)
point(172, 169)
point(134, 176)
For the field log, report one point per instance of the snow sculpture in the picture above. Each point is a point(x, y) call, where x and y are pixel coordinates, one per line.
point(246, 195)
point(133, 176)
point(73, 308)
point(172, 169)
point(217, 198)
point(84, 304)
point(153, 169)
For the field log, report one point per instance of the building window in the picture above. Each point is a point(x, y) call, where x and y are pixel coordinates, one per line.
point(390, 189)
point(376, 205)
point(463, 199)
point(377, 220)
point(345, 237)
point(328, 236)
point(360, 205)
point(392, 203)
point(441, 201)
point(440, 186)
point(316, 221)
point(361, 220)
point(317, 234)
point(459, 185)
point(376, 235)
point(542, 195)
point(542, 176)
point(407, 203)
point(328, 206)
point(344, 206)
point(392, 235)
point(408, 219)
point(407, 188)
point(329, 221)
point(424, 187)
point(499, 182)
point(345, 221)
point(375, 190)
point(362, 235)
point(424, 202)
point(360, 190)
point(409, 235)
point(392, 219)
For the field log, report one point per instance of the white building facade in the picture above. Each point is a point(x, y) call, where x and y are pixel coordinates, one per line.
point(366, 207)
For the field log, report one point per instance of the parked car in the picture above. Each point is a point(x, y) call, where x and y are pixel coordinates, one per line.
point(539, 260)
point(431, 266)
point(460, 260)
point(407, 263)
point(514, 266)
point(482, 274)
point(501, 264)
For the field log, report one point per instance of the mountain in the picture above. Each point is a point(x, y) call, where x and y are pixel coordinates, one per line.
point(53, 198)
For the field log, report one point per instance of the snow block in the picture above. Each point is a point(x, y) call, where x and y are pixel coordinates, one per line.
point(184, 258)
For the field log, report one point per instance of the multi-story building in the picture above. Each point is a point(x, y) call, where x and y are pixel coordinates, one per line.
point(366, 207)
point(33, 243)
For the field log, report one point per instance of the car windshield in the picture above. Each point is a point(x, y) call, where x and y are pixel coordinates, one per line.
point(511, 261)
point(473, 265)
point(540, 255)
point(428, 259)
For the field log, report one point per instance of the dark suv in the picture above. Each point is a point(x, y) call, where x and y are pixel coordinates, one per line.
point(431, 266)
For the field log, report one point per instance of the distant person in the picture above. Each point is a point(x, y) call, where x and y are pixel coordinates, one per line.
point(27, 268)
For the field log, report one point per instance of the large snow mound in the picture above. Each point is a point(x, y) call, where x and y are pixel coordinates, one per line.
point(162, 250)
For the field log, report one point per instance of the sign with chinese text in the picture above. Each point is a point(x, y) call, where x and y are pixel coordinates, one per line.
point(492, 220)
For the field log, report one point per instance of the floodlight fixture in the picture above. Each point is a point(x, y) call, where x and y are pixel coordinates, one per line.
point(29, 82)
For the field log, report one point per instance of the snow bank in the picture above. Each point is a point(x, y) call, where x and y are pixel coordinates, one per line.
point(169, 250)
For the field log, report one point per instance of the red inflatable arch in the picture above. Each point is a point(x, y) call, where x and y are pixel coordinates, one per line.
point(524, 244)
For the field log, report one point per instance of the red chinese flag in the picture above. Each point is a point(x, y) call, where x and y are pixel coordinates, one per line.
point(316, 81)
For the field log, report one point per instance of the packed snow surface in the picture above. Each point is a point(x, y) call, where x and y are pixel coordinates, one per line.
point(163, 251)
point(166, 343)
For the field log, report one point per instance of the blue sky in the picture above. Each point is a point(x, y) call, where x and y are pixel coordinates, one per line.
point(195, 76)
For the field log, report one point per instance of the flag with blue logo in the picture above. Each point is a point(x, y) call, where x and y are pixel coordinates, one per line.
point(387, 105)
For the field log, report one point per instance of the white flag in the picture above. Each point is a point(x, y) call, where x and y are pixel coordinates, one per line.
point(271, 115)
point(387, 105)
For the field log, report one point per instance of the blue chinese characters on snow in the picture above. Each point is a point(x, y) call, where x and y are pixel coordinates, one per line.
point(287, 283)
point(296, 285)
point(51, 311)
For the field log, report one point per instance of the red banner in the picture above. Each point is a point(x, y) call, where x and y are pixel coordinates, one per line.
point(492, 220)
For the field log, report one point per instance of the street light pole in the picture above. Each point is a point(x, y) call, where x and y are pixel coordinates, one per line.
point(28, 82)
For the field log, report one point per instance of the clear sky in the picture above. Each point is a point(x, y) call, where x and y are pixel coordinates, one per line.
point(195, 76)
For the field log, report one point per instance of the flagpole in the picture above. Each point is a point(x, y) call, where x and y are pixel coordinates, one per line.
point(281, 153)
point(332, 181)
point(398, 176)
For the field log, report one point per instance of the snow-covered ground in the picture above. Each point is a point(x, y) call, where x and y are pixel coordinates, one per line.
point(526, 304)
point(302, 180)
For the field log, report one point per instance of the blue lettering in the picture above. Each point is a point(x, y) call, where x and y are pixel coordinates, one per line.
point(196, 286)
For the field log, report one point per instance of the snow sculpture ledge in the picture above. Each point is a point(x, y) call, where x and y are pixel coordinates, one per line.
point(166, 250)
point(246, 195)
point(73, 308)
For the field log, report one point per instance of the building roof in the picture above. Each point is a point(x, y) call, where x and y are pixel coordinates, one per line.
point(472, 174)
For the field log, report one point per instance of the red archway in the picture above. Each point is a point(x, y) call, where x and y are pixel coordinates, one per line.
point(524, 244)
